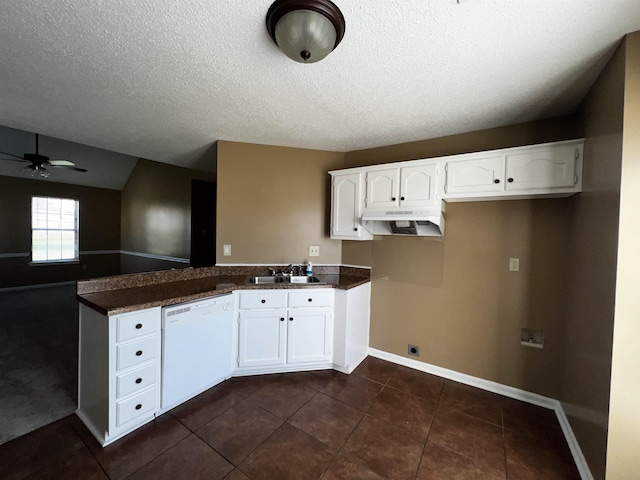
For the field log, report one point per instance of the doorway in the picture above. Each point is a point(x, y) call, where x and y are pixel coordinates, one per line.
point(203, 223)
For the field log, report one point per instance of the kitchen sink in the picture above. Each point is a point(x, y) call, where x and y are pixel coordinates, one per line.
point(264, 280)
point(301, 279)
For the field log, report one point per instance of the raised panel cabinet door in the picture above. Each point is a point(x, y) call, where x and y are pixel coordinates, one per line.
point(382, 188)
point(477, 175)
point(418, 186)
point(345, 205)
point(262, 338)
point(552, 167)
point(309, 336)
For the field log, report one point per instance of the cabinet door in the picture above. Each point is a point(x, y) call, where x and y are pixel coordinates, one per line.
point(309, 335)
point(418, 186)
point(382, 188)
point(345, 206)
point(478, 175)
point(262, 338)
point(542, 168)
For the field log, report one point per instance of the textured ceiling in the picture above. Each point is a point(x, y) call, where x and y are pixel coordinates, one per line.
point(164, 79)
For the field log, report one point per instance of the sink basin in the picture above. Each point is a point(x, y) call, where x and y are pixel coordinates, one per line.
point(302, 279)
point(265, 280)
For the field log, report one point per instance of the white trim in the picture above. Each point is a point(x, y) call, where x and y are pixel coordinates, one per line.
point(156, 257)
point(507, 391)
point(99, 252)
point(14, 255)
point(39, 285)
point(574, 446)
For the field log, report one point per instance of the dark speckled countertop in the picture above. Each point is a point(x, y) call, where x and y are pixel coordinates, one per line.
point(128, 293)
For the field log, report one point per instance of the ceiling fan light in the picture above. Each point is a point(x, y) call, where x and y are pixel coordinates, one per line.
point(36, 171)
point(306, 31)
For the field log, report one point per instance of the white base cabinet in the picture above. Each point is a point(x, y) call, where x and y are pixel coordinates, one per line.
point(284, 330)
point(118, 371)
point(351, 327)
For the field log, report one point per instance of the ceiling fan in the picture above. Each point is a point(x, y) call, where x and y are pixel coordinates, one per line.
point(39, 162)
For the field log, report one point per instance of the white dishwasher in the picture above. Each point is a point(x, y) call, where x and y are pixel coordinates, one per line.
point(197, 342)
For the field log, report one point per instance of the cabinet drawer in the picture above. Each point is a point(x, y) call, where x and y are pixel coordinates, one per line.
point(136, 406)
point(137, 325)
point(135, 352)
point(263, 299)
point(311, 298)
point(137, 380)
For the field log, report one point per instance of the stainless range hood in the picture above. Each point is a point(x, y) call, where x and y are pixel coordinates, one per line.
point(411, 222)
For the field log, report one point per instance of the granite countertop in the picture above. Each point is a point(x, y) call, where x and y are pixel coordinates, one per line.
point(131, 298)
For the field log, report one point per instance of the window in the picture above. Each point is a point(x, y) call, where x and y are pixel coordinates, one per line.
point(54, 229)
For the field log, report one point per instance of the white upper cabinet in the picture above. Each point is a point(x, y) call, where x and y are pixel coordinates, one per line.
point(549, 167)
point(382, 188)
point(347, 202)
point(412, 186)
point(552, 170)
point(475, 175)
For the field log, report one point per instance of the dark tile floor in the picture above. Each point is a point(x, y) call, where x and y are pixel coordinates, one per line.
point(384, 421)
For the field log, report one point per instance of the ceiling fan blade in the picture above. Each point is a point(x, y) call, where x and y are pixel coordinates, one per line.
point(69, 167)
point(12, 155)
point(61, 163)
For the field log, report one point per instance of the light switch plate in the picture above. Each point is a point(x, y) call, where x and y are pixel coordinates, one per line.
point(227, 251)
point(514, 264)
point(314, 250)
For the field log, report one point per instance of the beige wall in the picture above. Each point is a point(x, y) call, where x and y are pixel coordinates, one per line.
point(99, 230)
point(273, 203)
point(624, 415)
point(454, 296)
point(586, 365)
point(156, 209)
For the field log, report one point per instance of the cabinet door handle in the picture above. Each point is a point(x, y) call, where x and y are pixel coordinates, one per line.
point(393, 199)
point(510, 180)
point(401, 198)
point(138, 380)
point(138, 326)
point(263, 301)
point(138, 406)
point(282, 319)
point(355, 229)
point(310, 300)
point(497, 180)
point(291, 319)
point(138, 353)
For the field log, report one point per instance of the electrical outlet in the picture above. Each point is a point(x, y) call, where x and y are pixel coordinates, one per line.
point(314, 250)
point(514, 264)
point(227, 251)
point(413, 350)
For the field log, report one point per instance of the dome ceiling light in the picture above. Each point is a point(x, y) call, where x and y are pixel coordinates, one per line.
point(305, 30)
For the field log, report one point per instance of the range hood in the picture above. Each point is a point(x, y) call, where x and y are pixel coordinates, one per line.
point(412, 222)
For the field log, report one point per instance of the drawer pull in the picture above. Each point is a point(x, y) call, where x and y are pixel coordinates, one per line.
point(282, 319)
point(138, 380)
point(510, 180)
point(263, 301)
point(310, 300)
point(291, 319)
point(138, 326)
point(138, 353)
point(497, 180)
point(138, 406)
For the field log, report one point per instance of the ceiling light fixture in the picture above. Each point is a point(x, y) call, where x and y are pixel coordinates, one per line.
point(305, 30)
point(36, 171)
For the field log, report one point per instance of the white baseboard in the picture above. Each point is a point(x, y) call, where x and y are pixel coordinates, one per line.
point(507, 391)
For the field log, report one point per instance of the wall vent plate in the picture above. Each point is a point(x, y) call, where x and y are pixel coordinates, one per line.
point(532, 338)
point(413, 350)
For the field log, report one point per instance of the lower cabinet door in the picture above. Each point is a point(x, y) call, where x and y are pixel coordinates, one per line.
point(262, 338)
point(309, 335)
